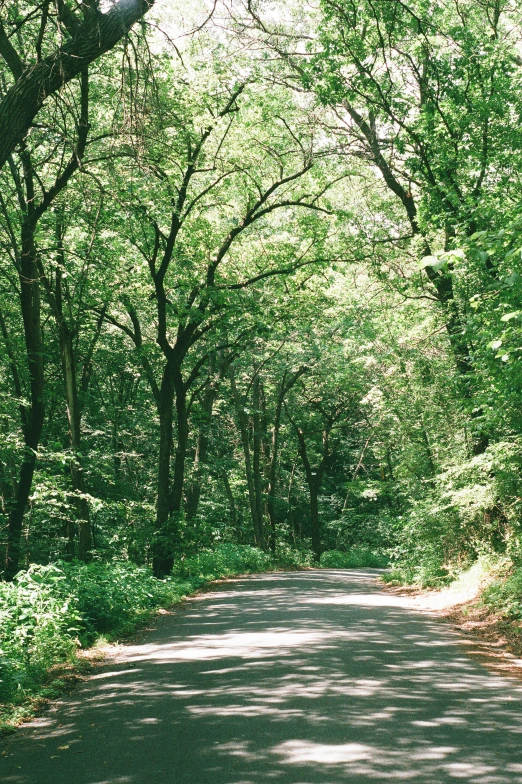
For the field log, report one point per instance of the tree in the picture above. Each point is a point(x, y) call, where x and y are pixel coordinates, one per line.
point(410, 96)
point(36, 75)
point(255, 163)
point(329, 400)
point(266, 293)
point(34, 197)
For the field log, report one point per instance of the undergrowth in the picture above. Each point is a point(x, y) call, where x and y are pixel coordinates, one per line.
point(504, 595)
point(355, 558)
point(49, 612)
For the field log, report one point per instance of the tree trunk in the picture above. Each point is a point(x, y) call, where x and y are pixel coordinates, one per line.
point(314, 480)
point(289, 502)
point(314, 521)
point(257, 470)
point(272, 481)
point(162, 550)
point(35, 83)
point(176, 495)
point(243, 427)
point(272, 466)
point(285, 387)
point(35, 412)
point(66, 339)
point(75, 440)
point(193, 491)
point(234, 519)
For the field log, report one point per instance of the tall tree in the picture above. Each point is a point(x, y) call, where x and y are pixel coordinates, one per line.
point(201, 259)
point(34, 197)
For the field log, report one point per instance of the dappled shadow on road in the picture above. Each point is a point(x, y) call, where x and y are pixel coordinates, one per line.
point(309, 678)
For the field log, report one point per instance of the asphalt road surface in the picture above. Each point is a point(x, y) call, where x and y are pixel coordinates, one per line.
point(301, 678)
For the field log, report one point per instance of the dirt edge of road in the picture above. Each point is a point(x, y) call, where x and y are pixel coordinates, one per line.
point(487, 637)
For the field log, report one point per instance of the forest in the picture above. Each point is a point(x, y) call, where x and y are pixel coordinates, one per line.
point(260, 299)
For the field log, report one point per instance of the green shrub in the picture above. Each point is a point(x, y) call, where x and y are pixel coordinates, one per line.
point(112, 597)
point(225, 560)
point(47, 612)
point(356, 557)
point(505, 595)
point(423, 566)
point(39, 623)
point(287, 557)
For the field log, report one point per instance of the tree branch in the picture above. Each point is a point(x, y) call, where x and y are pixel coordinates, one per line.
point(35, 83)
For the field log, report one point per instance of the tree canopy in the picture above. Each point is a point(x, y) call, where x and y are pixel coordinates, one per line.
point(260, 280)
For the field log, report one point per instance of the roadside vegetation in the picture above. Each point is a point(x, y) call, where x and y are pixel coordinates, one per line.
point(51, 613)
point(484, 600)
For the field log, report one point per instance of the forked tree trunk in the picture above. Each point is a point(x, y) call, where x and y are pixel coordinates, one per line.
point(286, 385)
point(314, 480)
point(170, 478)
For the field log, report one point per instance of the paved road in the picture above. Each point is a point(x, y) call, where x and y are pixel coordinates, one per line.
point(308, 678)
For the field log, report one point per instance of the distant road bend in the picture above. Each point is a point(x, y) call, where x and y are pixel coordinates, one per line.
point(298, 678)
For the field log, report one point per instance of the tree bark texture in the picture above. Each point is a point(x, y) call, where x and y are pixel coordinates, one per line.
point(182, 427)
point(193, 491)
point(314, 480)
point(257, 469)
point(75, 440)
point(286, 385)
point(162, 555)
point(234, 518)
point(91, 39)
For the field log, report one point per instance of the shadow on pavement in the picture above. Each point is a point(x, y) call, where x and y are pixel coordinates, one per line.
point(307, 678)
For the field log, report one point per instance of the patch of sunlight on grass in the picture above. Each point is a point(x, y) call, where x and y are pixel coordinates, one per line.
point(467, 587)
